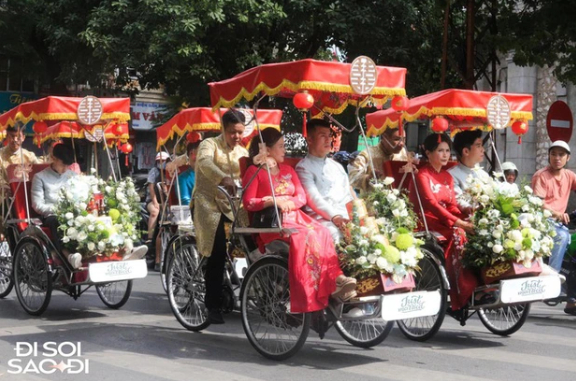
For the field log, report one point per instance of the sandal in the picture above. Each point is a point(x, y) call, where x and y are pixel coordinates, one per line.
point(344, 297)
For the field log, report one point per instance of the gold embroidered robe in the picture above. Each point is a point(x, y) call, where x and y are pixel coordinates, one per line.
point(215, 161)
point(360, 170)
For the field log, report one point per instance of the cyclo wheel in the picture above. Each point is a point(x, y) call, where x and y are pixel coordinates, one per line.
point(187, 286)
point(167, 252)
point(114, 294)
point(505, 320)
point(32, 279)
point(271, 329)
point(429, 278)
point(364, 333)
point(6, 279)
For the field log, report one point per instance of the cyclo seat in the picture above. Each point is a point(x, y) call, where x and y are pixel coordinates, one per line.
point(20, 180)
point(277, 246)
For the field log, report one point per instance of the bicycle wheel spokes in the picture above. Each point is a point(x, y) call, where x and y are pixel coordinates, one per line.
point(271, 328)
point(187, 288)
point(31, 277)
point(504, 320)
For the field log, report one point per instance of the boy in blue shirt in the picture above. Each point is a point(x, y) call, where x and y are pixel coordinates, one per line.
point(187, 178)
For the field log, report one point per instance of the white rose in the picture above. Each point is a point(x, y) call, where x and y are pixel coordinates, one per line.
point(518, 246)
point(377, 186)
point(388, 180)
point(361, 260)
point(101, 245)
point(483, 221)
point(496, 234)
point(547, 213)
point(528, 189)
point(375, 203)
point(497, 249)
point(382, 263)
point(371, 258)
point(82, 206)
point(391, 197)
point(65, 239)
point(484, 199)
point(91, 246)
point(69, 216)
point(483, 232)
point(515, 235)
point(82, 236)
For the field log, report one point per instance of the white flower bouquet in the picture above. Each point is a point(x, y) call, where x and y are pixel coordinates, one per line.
point(113, 230)
point(374, 246)
point(510, 224)
point(391, 208)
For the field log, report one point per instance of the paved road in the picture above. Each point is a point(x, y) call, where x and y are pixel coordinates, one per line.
point(143, 341)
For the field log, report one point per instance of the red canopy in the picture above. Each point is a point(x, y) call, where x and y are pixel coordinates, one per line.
point(204, 119)
point(67, 129)
point(465, 109)
point(328, 82)
point(63, 108)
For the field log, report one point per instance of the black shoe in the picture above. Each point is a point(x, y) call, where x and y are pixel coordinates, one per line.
point(215, 317)
point(319, 323)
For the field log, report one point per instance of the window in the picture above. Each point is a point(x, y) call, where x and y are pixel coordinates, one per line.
point(12, 77)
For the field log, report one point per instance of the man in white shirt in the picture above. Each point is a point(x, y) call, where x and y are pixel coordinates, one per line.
point(324, 180)
point(470, 152)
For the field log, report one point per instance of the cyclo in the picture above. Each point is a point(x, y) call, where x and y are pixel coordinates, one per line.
point(509, 310)
point(264, 292)
point(175, 217)
point(35, 267)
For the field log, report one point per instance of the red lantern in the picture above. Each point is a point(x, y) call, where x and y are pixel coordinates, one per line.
point(116, 129)
point(126, 148)
point(439, 126)
point(303, 101)
point(520, 127)
point(40, 127)
point(400, 103)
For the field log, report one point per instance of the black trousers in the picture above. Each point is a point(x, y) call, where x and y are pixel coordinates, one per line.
point(215, 267)
point(52, 223)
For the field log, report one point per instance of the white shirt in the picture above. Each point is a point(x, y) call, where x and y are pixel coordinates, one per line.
point(327, 187)
point(460, 173)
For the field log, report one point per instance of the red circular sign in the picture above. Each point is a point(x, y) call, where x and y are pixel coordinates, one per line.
point(559, 122)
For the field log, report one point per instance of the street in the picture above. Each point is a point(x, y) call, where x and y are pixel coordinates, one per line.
point(143, 341)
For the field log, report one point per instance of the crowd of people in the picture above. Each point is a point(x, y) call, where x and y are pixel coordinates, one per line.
point(61, 165)
point(312, 200)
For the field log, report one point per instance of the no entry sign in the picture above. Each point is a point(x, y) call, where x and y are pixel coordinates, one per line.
point(559, 122)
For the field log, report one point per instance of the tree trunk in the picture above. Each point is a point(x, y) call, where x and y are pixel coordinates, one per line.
point(445, 45)
point(469, 83)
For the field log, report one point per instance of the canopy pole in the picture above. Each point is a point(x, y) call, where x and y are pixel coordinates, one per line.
point(108, 154)
point(255, 118)
point(24, 178)
point(359, 124)
point(494, 150)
